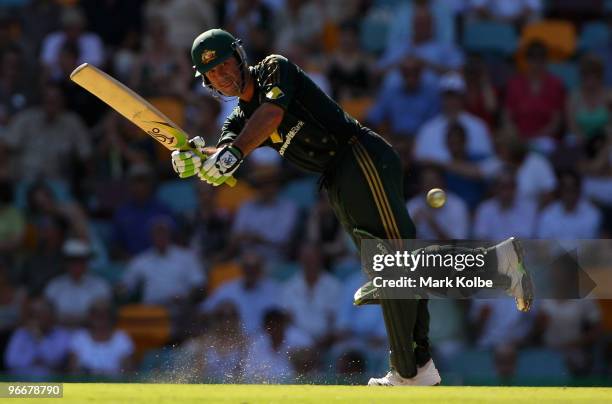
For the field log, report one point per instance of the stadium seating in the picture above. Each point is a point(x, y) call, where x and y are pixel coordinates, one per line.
point(302, 192)
point(540, 367)
point(593, 36)
point(490, 37)
point(179, 195)
point(231, 198)
point(374, 30)
point(111, 271)
point(346, 269)
point(357, 107)
point(567, 72)
point(148, 326)
point(283, 271)
point(221, 273)
point(60, 190)
point(558, 35)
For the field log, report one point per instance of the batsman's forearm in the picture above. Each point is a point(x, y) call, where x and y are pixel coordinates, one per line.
point(259, 127)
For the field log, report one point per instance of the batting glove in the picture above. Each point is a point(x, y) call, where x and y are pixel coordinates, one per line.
point(221, 165)
point(187, 163)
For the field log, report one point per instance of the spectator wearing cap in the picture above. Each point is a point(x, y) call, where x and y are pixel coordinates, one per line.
point(535, 100)
point(132, 219)
point(410, 94)
point(430, 144)
point(39, 347)
point(166, 272)
point(89, 44)
point(74, 292)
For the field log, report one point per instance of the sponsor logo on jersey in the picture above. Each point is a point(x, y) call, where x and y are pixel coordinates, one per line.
point(208, 55)
point(294, 131)
point(274, 93)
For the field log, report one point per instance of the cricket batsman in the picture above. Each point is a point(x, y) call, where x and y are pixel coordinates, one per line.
point(279, 106)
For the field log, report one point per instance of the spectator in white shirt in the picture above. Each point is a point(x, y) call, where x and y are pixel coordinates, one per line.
point(430, 142)
point(101, 349)
point(74, 292)
point(505, 214)
point(38, 347)
point(275, 351)
point(90, 46)
point(253, 227)
point(572, 327)
point(572, 216)
point(496, 322)
point(167, 273)
point(451, 221)
point(307, 296)
point(424, 29)
point(253, 294)
point(535, 177)
point(218, 354)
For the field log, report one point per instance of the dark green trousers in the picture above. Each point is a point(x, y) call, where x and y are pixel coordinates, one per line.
point(365, 188)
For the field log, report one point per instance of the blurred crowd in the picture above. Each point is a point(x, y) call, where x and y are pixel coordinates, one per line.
point(112, 267)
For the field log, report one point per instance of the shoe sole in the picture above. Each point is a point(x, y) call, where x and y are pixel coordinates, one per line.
point(523, 303)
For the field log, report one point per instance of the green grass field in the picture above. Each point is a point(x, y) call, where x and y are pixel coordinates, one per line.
point(250, 394)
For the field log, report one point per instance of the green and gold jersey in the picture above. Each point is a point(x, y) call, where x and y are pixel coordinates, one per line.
point(314, 127)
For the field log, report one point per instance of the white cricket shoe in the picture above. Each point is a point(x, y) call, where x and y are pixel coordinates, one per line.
point(427, 375)
point(510, 263)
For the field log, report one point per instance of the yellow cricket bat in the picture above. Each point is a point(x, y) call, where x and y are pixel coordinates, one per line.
point(135, 108)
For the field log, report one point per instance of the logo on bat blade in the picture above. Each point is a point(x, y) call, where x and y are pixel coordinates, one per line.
point(160, 137)
point(172, 139)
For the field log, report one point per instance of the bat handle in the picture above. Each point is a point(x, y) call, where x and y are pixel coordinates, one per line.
point(231, 181)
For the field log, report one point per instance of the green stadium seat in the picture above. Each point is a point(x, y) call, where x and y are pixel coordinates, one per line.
point(490, 37)
point(302, 192)
point(156, 360)
point(541, 367)
point(374, 30)
point(594, 35)
point(111, 271)
point(473, 364)
point(567, 72)
point(60, 190)
point(283, 271)
point(179, 195)
point(345, 269)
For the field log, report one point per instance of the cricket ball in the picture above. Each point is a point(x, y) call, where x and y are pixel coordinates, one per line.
point(436, 198)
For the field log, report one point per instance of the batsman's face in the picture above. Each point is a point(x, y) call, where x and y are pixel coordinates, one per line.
point(225, 77)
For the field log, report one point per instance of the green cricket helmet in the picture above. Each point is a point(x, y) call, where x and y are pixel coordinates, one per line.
point(212, 48)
